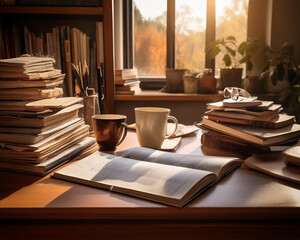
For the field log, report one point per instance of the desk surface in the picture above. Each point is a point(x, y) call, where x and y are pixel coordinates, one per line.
point(246, 198)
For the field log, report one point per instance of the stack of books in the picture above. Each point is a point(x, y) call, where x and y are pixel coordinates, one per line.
point(247, 126)
point(38, 130)
point(127, 82)
point(67, 45)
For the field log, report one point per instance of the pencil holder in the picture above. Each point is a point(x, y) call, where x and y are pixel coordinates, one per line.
point(91, 108)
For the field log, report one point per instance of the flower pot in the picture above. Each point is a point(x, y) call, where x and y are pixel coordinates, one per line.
point(231, 77)
point(174, 80)
point(190, 84)
point(279, 87)
point(207, 84)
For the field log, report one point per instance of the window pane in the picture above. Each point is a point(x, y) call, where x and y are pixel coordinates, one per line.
point(231, 19)
point(150, 37)
point(190, 26)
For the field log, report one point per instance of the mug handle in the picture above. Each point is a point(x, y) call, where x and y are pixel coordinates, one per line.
point(174, 119)
point(124, 133)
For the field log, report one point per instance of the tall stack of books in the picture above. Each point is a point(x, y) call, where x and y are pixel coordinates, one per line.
point(38, 129)
point(247, 126)
point(127, 82)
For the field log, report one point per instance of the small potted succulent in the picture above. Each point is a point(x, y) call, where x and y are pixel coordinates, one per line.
point(191, 81)
point(196, 81)
point(234, 55)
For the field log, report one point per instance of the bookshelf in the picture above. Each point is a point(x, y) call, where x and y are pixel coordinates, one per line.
point(70, 13)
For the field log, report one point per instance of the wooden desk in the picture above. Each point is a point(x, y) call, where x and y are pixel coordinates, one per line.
point(244, 205)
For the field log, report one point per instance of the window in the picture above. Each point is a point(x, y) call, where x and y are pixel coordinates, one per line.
point(174, 33)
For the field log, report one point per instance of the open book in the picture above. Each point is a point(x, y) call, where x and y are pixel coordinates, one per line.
point(169, 178)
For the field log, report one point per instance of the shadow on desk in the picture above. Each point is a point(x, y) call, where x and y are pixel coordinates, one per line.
point(14, 181)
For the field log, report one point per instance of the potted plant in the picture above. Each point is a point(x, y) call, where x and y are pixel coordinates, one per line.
point(278, 71)
point(281, 74)
point(191, 81)
point(174, 80)
point(234, 55)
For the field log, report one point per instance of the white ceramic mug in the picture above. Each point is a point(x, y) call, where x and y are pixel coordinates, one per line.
point(151, 125)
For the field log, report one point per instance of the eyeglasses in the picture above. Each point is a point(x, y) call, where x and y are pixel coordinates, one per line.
point(235, 92)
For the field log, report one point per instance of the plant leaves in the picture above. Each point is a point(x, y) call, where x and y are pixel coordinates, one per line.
point(273, 76)
point(242, 48)
point(280, 71)
point(245, 59)
point(249, 65)
point(214, 51)
point(230, 50)
point(232, 38)
point(227, 60)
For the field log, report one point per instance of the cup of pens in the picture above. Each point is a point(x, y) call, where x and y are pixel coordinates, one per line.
point(90, 98)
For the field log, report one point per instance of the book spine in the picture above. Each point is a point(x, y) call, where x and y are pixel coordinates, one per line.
point(227, 144)
point(262, 124)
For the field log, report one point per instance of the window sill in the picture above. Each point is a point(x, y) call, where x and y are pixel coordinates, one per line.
point(153, 95)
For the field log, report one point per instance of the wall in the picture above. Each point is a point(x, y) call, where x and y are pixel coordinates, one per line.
point(286, 25)
point(273, 22)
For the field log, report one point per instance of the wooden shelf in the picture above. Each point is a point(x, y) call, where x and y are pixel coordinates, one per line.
point(147, 95)
point(52, 10)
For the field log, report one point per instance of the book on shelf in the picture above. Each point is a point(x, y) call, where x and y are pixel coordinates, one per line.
point(43, 120)
point(52, 163)
point(260, 136)
point(26, 62)
point(126, 82)
point(121, 79)
point(272, 121)
point(39, 105)
point(273, 164)
point(40, 131)
point(29, 93)
point(28, 69)
point(169, 178)
point(32, 76)
point(16, 135)
point(43, 150)
point(126, 72)
point(129, 89)
point(44, 83)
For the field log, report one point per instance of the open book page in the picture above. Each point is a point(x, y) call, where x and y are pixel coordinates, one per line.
point(273, 164)
point(215, 164)
point(163, 183)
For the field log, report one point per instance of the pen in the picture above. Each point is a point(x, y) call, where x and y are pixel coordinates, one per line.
point(77, 78)
point(100, 90)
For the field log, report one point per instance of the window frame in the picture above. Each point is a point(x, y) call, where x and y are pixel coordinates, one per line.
point(210, 34)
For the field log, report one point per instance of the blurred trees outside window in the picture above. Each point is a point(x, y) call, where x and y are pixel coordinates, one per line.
point(150, 25)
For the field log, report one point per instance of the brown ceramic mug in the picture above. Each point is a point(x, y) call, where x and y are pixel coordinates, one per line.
point(110, 130)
